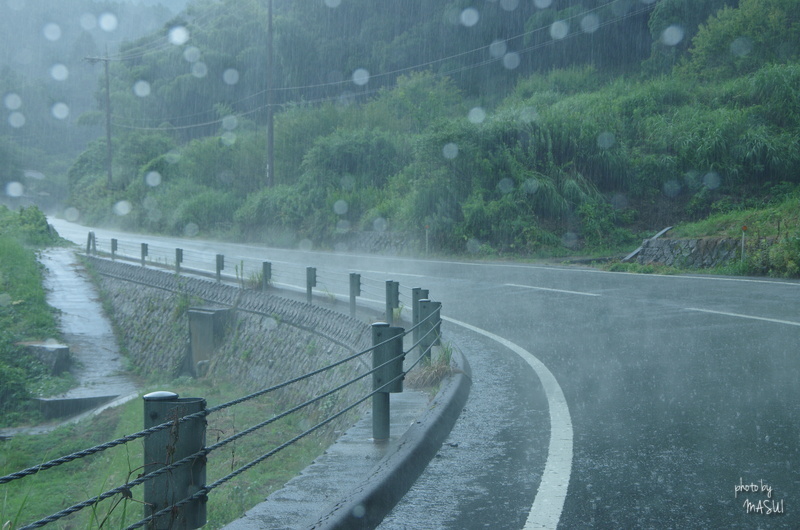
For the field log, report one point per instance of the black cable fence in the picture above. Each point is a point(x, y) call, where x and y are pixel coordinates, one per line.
point(175, 491)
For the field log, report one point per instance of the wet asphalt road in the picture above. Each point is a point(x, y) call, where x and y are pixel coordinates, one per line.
point(680, 390)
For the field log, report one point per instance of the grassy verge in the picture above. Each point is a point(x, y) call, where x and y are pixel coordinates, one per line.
point(24, 316)
point(29, 499)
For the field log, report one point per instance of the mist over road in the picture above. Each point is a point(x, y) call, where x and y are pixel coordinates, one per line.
point(681, 392)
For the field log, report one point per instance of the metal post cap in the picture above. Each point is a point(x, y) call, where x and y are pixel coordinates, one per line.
point(161, 395)
point(380, 324)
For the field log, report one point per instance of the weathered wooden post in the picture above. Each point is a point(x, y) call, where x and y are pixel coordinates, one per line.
point(170, 445)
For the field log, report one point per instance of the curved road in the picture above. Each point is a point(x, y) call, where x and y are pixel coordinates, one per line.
point(601, 400)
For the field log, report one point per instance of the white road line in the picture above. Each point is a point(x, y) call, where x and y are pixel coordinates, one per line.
point(549, 289)
point(751, 317)
point(549, 501)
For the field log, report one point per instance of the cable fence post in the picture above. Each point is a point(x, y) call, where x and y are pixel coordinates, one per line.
point(437, 323)
point(178, 260)
point(89, 239)
point(266, 274)
point(220, 267)
point(391, 351)
point(392, 300)
point(426, 310)
point(113, 249)
point(144, 253)
point(171, 445)
point(355, 291)
point(311, 281)
point(415, 298)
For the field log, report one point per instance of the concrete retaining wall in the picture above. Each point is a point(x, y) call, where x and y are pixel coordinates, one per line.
point(691, 253)
point(269, 339)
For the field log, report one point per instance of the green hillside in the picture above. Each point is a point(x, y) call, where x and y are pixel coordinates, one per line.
point(524, 129)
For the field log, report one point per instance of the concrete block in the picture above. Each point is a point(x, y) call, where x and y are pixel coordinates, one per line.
point(54, 355)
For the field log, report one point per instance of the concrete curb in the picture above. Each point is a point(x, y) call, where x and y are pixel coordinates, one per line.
point(366, 506)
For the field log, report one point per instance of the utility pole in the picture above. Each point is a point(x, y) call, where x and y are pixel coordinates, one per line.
point(270, 125)
point(94, 60)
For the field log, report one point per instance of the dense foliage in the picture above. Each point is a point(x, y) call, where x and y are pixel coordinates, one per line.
point(548, 126)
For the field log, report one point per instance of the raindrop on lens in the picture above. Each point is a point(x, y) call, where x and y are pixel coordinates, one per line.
point(59, 72)
point(672, 35)
point(605, 140)
point(569, 240)
point(511, 60)
point(342, 225)
point(450, 151)
point(509, 5)
point(16, 119)
point(711, 180)
point(14, 189)
point(559, 29)
point(173, 156)
point(225, 177)
point(361, 77)
point(305, 244)
point(122, 208)
point(473, 246)
point(348, 182)
point(88, 21)
point(52, 32)
point(498, 48)
point(107, 22)
point(619, 201)
point(199, 69)
point(60, 111)
point(12, 101)
point(590, 23)
point(141, 89)
point(741, 47)
point(380, 224)
point(542, 4)
point(230, 122)
point(476, 115)
point(671, 188)
point(178, 35)
point(469, 17)
point(528, 115)
point(230, 76)
point(340, 207)
point(228, 138)
point(191, 230)
point(505, 185)
point(71, 214)
point(530, 186)
point(333, 3)
point(153, 179)
point(192, 54)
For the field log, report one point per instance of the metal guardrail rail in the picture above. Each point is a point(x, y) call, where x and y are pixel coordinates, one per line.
point(175, 450)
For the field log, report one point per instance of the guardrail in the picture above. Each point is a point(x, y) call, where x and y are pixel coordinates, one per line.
point(175, 493)
point(261, 274)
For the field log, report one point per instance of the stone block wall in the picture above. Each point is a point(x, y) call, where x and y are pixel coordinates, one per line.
point(269, 339)
point(691, 253)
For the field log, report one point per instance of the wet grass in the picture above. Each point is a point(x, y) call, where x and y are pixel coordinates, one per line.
point(24, 316)
point(29, 499)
